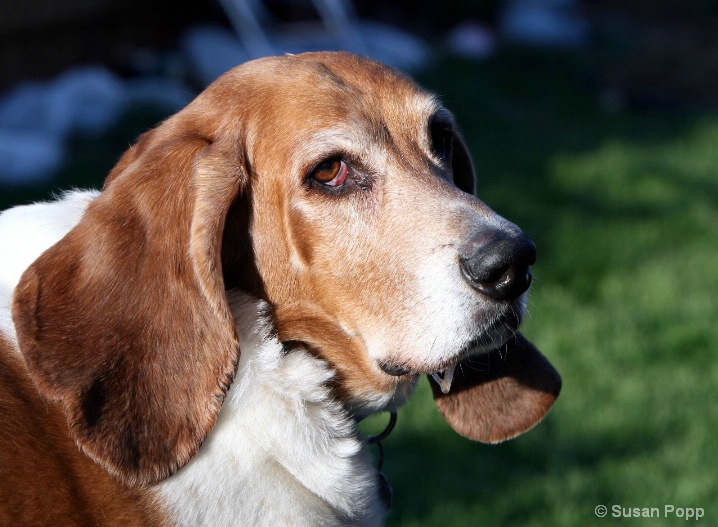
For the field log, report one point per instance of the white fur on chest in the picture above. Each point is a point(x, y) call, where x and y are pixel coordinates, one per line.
point(25, 233)
point(282, 451)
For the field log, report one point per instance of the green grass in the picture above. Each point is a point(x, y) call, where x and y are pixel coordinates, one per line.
point(624, 210)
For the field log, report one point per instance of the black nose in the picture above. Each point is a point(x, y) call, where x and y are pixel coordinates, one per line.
point(498, 265)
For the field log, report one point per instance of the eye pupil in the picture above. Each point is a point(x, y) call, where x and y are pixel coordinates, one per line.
point(327, 171)
point(331, 173)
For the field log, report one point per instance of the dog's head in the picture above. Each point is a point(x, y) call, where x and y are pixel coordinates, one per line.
point(331, 187)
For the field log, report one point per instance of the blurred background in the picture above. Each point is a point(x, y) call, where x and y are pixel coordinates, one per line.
point(593, 125)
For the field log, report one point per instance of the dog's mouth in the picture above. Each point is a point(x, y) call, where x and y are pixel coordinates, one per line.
point(490, 339)
point(443, 376)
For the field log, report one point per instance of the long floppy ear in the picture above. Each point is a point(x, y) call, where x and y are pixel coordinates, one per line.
point(500, 395)
point(125, 320)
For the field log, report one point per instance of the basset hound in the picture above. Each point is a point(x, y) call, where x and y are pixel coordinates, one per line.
point(194, 344)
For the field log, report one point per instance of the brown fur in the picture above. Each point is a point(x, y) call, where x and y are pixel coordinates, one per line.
point(114, 349)
point(44, 479)
point(125, 324)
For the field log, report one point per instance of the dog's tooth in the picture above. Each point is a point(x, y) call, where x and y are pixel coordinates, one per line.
point(448, 378)
point(444, 378)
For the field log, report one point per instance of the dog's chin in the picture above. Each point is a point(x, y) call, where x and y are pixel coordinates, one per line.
point(489, 339)
point(390, 398)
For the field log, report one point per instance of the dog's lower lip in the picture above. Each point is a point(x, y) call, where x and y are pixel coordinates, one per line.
point(442, 377)
point(482, 344)
point(400, 371)
point(394, 369)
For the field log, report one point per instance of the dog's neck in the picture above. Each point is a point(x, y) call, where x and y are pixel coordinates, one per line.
point(283, 451)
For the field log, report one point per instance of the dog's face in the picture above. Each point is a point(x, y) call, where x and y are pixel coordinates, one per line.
point(334, 189)
point(359, 228)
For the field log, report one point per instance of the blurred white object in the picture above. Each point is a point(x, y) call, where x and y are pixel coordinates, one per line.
point(546, 23)
point(472, 40)
point(27, 157)
point(212, 50)
point(53, 107)
point(36, 119)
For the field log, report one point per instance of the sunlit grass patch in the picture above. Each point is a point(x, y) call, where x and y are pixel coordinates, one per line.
point(624, 210)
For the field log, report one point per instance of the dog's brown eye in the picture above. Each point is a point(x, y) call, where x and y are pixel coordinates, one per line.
point(331, 173)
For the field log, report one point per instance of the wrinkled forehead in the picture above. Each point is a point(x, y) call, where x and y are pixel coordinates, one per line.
point(347, 83)
point(313, 104)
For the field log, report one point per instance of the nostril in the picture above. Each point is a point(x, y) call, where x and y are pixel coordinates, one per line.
point(500, 267)
point(499, 274)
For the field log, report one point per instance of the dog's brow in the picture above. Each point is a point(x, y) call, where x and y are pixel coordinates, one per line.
point(336, 80)
point(345, 138)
